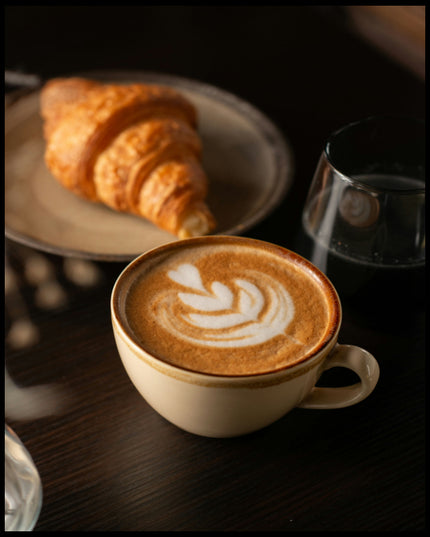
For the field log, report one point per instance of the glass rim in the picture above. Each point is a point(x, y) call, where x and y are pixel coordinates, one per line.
point(357, 182)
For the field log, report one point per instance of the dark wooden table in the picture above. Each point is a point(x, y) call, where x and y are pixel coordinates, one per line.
point(106, 459)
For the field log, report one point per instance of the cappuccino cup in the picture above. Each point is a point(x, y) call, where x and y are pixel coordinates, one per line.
point(224, 335)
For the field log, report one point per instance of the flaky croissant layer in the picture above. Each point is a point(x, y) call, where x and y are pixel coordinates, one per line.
point(132, 147)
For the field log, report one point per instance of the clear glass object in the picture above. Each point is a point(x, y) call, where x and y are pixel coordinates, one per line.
point(364, 217)
point(23, 488)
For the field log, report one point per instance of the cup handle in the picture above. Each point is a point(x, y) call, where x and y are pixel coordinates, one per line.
point(359, 361)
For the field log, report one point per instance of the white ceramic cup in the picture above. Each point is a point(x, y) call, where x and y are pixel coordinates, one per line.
point(226, 406)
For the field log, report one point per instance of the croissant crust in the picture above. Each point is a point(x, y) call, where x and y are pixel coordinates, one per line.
point(133, 147)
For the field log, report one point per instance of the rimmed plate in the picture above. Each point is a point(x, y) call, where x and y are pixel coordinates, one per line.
point(247, 159)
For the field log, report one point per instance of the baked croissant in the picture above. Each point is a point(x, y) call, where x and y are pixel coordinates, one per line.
point(133, 147)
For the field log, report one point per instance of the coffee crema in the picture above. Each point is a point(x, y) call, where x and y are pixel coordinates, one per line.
point(229, 306)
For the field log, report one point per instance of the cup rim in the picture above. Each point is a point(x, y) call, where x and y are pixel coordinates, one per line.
point(294, 369)
point(356, 182)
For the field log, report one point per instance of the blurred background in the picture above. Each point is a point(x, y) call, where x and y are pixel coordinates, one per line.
point(285, 60)
point(288, 62)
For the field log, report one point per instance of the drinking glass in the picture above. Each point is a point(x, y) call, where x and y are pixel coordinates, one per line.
point(23, 489)
point(364, 217)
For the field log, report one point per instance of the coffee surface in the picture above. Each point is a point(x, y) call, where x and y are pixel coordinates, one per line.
point(228, 309)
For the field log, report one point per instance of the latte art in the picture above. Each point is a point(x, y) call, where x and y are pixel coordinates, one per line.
point(227, 306)
point(239, 316)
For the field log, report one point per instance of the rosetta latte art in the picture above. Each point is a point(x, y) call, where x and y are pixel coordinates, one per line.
point(238, 315)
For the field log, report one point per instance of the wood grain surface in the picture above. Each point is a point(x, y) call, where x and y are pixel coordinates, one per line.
point(107, 461)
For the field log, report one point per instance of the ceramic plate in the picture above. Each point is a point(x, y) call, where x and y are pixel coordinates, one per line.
point(247, 159)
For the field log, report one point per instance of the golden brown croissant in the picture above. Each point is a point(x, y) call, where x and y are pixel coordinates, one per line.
point(133, 147)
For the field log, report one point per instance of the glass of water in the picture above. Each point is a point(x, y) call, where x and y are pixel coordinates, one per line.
point(23, 488)
point(364, 217)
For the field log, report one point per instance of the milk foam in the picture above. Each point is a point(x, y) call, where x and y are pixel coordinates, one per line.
point(229, 307)
point(239, 315)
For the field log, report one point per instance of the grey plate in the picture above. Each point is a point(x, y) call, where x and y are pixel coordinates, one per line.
point(247, 160)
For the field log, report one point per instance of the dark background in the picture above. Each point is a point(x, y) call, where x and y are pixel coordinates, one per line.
point(302, 66)
point(110, 462)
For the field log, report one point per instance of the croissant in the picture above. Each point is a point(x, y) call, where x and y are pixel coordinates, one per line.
point(132, 147)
